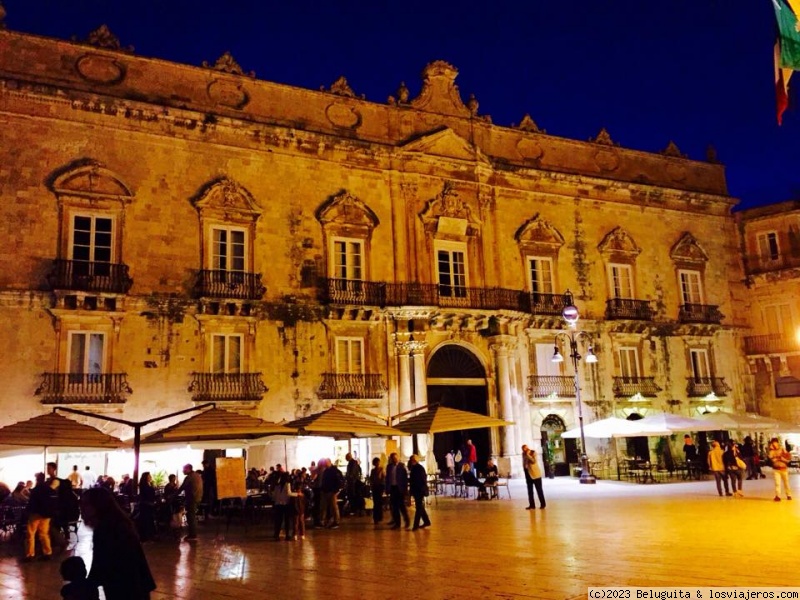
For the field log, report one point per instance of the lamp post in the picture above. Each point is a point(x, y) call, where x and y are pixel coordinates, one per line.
point(571, 316)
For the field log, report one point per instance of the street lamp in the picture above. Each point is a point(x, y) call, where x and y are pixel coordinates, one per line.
point(571, 316)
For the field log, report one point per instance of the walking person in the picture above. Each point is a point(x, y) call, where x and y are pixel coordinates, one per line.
point(377, 483)
point(779, 458)
point(397, 486)
point(418, 480)
point(533, 477)
point(732, 469)
point(119, 565)
point(40, 511)
point(332, 483)
point(471, 456)
point(717, 466)
point(192, 487)
point(748, 452)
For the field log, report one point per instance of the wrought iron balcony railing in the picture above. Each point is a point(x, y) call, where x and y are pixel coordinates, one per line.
point(84, 388)
point(628, 308)
point(703, 386)
point(379, 293)
point(625, 387)
point(234, 285)
point(549, 386)
point(222, 387)
point(763, 264)
point(85, 276)
point(351, 386)
point(700, 313)
point(770, 344)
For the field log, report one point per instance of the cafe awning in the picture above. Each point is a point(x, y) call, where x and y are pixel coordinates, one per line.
point(55, 430)
point(217, 424)
point(441, 418)
point(673, 423)
point(338, 423)
point(725, 421)
point(614, 427)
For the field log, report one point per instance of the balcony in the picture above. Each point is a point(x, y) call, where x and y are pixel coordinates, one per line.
point(85, 276)
point(698, 387)
point(757, 264)
point(551, 386)
point(628, 308)
point(227, 387)
point(232, 285)
point(776, 343)
point(351, 386)
point(700, 313)
point(379, 293)
point(627, 387)
point(84, 388)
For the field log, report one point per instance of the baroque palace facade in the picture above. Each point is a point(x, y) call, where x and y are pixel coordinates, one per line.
point(178, 234)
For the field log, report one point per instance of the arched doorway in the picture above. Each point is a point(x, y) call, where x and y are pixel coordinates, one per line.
point(457, 379)
point(637, 447)
point(557, 452)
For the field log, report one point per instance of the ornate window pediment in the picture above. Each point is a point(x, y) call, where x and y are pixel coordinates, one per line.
point(618, 247)
point(447, 216)
point(538, 236)
point(91, 182)
point(688, 252)
point(226, 200)
point(347, 215)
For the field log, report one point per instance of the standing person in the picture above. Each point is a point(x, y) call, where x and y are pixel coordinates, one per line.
point(748, 452)
point(353, 477)
point(316, 486)
point(40, 512)
point(779, 458)
point(146, 507)
point(418, 480)
point(717, 466)
point(192, 487)
point(377, 483)
point(471, 456)
point(89, 478)
point(732, 469)
point(282, 512)
point(332, 481)
point(533, 477)
point(75, 478)
point(119, 565)
point(299, 510)
point(450, 462)
point(397, 486)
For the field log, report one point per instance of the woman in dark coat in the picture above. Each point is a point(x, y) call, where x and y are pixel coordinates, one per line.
point(146, 518)
point(118, 561)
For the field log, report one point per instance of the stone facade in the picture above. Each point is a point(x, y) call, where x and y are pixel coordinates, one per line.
point(771, 250)
point(176, 234)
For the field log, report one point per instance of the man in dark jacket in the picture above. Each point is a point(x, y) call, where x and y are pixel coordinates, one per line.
point(397, 487)
point(332, 481)
point(40, 510)
point(419, 490)
point(192, 487)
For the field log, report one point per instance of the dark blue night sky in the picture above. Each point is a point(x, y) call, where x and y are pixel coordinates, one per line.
point(697, 72)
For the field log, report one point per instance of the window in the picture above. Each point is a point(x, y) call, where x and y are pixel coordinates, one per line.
point(226, 353)
point(700, 364)
point(451, 269)
point(540, 271)
point(691, 287)
point(768, 246)
point(228, 249)
point(629, 363)
point(778, 318)
point(92, 242)
point(544, 361)
point(620, 280)
point(86, 352)
point(348, 258)
point(350, 355)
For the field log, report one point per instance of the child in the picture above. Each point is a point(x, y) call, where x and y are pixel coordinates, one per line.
point(73, 570)
point(299, 502)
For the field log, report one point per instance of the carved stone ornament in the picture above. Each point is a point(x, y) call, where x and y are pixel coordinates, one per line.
point(100, 69)
point(227, 64)
point(439, 92)
point(227, 93)
point(340, 87)
point(537, 232)
point(618, 244)
point(402, 93)
point(688, 251)
point(344, 209)
point(342, 115)
point(227, 199)
point(528, 124)
point(446, 207)
point(711, 155)
point(603, 138)
point(90, 179)
point(673, 150)
point(607, 160)
point(103, 38)
point(473, 105)
point(530, 149)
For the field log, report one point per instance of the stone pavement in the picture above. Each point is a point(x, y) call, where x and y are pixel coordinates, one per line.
point(613, 533)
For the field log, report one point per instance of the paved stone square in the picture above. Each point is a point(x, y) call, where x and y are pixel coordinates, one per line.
point(609, 534)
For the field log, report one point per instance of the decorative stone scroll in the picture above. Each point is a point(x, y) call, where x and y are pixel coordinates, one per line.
point(343, 211)
point(226, 199)
point(688, 252)
point(618, 247)
point(227, 64)
point(445, 211)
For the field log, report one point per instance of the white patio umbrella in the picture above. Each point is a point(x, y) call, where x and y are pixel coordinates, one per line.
point(614, 427)
point(738, 422)
point(674, 423)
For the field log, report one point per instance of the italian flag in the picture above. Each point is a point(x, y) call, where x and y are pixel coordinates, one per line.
point(787, 50)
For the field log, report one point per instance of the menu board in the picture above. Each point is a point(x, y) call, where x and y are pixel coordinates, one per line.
point(231, 478)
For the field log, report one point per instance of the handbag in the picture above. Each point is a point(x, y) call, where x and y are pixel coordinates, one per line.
point(740, 463)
